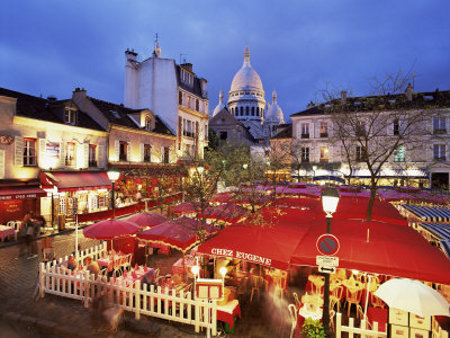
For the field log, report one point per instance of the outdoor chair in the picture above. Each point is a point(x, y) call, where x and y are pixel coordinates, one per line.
point(353, 296)
point(298, 304)
point(336, 296)
point(293, 316)
point(376, 302)
point(257, 283)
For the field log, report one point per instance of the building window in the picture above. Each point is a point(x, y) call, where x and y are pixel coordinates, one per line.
point(166, 154)
point(323, 129)
point(242, 111)
point(123, 149)
point(396, 127)
point(223, 135)
point(206, 132)
point(439, 125)
point(69, 116)
point(29, 152)
point(305, 154)
point(180, 98)
point(69, 159)
point(148, 123)
point(439, 152)
point(399, 154)
point(305, 130)
point(197, 105)
point(147, 153)
point(92, 155)
point(189, 101)
point(360, 129)
point(247, 111)
point(323, 154)
point(253, 111)
point(361, 154)
point(188, 128)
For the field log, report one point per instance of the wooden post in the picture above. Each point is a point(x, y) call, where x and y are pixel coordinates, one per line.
point(137, 299)
point(197, 317)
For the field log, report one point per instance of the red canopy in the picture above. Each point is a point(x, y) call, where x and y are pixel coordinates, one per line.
point(146, 219)
point(180, 233)
point(110, 229)
point(226, 212)
point(71, 181)
point(392, 250)
point(356, 208)
point(412, 195)
point(186, 208)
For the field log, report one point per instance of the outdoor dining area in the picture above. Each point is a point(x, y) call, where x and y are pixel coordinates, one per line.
point(267, 260)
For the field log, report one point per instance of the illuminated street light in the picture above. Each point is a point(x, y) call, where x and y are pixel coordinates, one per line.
point(113, 175)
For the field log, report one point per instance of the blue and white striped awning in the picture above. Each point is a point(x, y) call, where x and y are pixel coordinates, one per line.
point(429, 214)
point(445, 246)
point(440, 230)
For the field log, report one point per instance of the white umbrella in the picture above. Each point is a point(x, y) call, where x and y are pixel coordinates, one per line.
point(413, 296)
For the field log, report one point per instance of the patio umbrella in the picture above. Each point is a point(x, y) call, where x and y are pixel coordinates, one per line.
point(146, 219)
point(110, 229)
point(186, 208)
point(413, 296)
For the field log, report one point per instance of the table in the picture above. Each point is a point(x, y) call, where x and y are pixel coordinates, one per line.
point(6, 231)
point(227, 312)
point(177, 267)
point(108, 261)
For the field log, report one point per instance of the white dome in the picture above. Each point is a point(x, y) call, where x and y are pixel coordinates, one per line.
point(220, 105)
point(274, 112)
point(246, 78)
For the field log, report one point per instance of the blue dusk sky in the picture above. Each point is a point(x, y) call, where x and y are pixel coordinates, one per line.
point(298, 48)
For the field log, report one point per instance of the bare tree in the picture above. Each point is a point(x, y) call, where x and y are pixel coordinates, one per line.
point(374, 131)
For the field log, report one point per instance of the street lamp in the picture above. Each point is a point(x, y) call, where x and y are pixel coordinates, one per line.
point(330, 200)
point(113, 175)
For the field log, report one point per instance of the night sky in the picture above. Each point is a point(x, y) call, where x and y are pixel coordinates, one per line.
point(298, 48)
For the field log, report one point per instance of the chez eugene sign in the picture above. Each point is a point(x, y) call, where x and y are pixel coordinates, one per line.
point(328, 245)
point(242, 255)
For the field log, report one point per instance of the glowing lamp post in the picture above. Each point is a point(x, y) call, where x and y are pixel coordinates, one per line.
point(113, 175)
point(195, 270)
point(330, 200)
point(223, 271)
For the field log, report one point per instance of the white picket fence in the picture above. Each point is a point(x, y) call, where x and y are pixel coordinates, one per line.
point(361, 331)
point(94, 252)
point(155, 302)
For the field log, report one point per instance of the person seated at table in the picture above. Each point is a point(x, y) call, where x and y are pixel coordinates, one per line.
point(92, 266)
point(71, 264)
point(149, 278)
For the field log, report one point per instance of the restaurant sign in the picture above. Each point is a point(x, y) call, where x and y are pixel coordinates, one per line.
point(242, 255)
point(6, 139)
point(16, 196)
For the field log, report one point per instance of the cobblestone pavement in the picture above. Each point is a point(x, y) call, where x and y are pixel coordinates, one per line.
point(58, 317)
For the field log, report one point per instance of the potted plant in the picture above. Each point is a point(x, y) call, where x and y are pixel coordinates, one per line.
point(313, 328)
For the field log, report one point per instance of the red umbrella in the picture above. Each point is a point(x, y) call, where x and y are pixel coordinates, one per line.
point(186, 208)
point(147, 219)
point(180, 233)
point(110, 229)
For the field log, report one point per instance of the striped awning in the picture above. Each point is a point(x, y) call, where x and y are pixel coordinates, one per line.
point(445, 246)
point(439, 230)
point(429, 214)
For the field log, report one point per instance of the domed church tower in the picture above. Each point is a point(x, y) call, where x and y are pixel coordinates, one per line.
point(246, 100)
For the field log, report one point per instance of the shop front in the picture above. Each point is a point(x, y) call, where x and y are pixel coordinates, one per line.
point(72, 193)
point(16, 200)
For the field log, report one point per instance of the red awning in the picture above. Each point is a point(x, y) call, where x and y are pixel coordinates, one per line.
point(392, 250)
point(71, 181)
point(13, 193)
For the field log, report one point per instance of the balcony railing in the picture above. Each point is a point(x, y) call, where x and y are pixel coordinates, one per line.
point(305, 136)
point(440, 158)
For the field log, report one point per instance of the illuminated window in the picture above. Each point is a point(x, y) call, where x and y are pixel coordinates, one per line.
point(148, 123)
point(399, 154)
point(29, 152)
point(69, 159)
point(323, 154)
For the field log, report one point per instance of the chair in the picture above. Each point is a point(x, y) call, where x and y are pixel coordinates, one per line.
point(353, 296)
point(298, 304)
point(293, 316)
point(336, 296)
point(127, 261)
point(257, 283)
point(332, 314)
point(376, 302)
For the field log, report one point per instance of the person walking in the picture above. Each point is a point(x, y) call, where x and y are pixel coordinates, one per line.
point(23, 244)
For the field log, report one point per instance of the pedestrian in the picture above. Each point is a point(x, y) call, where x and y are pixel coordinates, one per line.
point(22, 234)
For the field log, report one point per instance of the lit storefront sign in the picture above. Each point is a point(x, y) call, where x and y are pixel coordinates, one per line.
point(242, 255)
